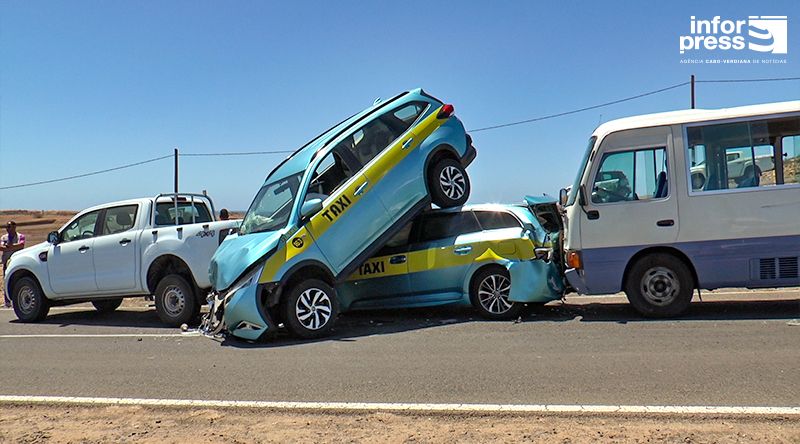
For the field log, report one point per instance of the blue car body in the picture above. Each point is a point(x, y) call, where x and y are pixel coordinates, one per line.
point(380, 184)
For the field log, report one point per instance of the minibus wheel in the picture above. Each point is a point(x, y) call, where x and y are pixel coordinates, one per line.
point(30, 303)
point(448, 183)
point(659, 285)
point(107, 305)
point(310, 309)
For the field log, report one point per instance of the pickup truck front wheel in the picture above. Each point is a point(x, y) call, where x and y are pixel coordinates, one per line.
point(30, 303)
point(175, 301)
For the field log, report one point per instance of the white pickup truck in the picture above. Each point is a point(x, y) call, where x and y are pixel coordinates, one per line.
point(159, 246)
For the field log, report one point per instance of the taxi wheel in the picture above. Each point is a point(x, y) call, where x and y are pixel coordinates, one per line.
point(659, 285)
point(30, 303)
point(176, 303)
point(448, 183)
point(310, 309)
point(489, 293)
point(107, 305)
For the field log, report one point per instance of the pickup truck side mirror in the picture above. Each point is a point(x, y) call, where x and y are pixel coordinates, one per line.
point(310, 208)
point(52, 237)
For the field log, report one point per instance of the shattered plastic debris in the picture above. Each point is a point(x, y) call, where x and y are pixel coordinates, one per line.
point(794, 323)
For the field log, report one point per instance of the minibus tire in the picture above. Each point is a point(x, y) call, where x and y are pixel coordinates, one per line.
point(30, 303)
point(294, 308)
point(651, 283)
point(107, 305)
point(444, 169)
point(175, 300)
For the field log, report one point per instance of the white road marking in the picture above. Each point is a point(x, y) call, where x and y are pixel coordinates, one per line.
point(103, 335)
point(409, 407)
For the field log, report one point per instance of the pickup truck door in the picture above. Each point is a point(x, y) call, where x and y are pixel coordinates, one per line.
point(115, 258)
point(70, 263)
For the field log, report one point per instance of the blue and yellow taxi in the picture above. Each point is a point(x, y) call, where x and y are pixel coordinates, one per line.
point(331, 205)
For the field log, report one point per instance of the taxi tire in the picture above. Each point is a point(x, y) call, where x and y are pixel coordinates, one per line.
point(107, 305)
point(646, 273)
point(438, 195)
point(293, 324)
point(41, 305)
point(174, 282)
point(516, 309)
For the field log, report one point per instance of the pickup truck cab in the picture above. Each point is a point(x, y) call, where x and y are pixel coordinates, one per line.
point(158, 246)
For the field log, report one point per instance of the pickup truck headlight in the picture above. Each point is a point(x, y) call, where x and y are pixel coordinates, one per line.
point(247, 280)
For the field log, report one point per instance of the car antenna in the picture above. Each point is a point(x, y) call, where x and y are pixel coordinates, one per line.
point(377, 101)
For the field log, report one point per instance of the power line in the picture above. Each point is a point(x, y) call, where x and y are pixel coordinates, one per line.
point(243, 153)
point(776, 79)
point(566, 113)
point(78, 176)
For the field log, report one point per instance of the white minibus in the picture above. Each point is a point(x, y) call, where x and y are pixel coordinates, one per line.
point(667, 203)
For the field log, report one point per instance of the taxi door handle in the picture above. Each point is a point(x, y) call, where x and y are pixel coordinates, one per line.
point(400, 259)
point(407, 143)
point(361, 188)
point(462, 250)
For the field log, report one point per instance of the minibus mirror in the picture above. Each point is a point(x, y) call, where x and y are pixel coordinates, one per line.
point(563, 195)
point(310, 208)
point(52, 237)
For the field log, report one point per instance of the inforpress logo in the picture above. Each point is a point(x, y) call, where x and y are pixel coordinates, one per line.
point(757, 33)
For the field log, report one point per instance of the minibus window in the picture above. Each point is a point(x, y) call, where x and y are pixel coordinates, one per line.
point(631, 175)
point(759, 153)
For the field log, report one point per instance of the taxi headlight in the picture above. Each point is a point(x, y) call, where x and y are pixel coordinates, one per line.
point(247, 280)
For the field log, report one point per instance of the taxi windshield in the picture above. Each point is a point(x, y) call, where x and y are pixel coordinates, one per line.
point(272, 206)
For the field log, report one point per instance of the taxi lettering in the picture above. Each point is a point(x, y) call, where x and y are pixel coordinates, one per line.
point(372, 268)
point(336, 208)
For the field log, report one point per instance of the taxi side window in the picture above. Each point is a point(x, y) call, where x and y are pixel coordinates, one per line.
point(329, 176)
point(398, 243)
point(374, 137)
point(446, 225)
point(495, 220)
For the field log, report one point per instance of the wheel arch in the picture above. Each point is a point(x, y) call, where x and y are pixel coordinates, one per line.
point(165, 265)
point(680, 255)
point(19, 274)
point(442, 151)
point(479, 268)
point(308, 269)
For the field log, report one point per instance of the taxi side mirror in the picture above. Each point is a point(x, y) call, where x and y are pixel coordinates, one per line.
point(310, 208)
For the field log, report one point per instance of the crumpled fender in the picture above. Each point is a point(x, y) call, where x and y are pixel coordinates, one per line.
point(534, 281)
point(243, 317)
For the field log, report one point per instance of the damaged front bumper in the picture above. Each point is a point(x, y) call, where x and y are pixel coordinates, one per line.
point(238, 312)
point(534, 281)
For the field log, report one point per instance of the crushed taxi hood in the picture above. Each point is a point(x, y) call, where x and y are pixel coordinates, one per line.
point(539, 200)
point(237, 254)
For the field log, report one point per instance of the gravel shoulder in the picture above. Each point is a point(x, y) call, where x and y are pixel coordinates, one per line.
point(45, 423)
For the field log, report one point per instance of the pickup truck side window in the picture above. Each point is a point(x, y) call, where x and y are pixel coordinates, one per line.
point(119, 219)
point(81, 228)
point(165, 213)
point(758, 153)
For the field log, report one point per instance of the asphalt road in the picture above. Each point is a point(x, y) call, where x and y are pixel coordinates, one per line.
point(587, 351)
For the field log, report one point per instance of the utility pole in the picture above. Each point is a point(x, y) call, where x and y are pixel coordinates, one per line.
point(692, 93)
point(176, 171)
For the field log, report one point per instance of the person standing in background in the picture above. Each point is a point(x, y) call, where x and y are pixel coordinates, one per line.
point(9, 243)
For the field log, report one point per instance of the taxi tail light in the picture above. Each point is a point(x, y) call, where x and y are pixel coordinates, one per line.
point(574, 260)
point(446, 111)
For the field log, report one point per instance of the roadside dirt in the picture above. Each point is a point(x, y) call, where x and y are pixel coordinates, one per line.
point(42, 423)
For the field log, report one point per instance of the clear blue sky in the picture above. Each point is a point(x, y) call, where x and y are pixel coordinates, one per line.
point(90, 85)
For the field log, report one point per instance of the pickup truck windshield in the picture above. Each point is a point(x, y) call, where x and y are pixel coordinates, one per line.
point(272, 206)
